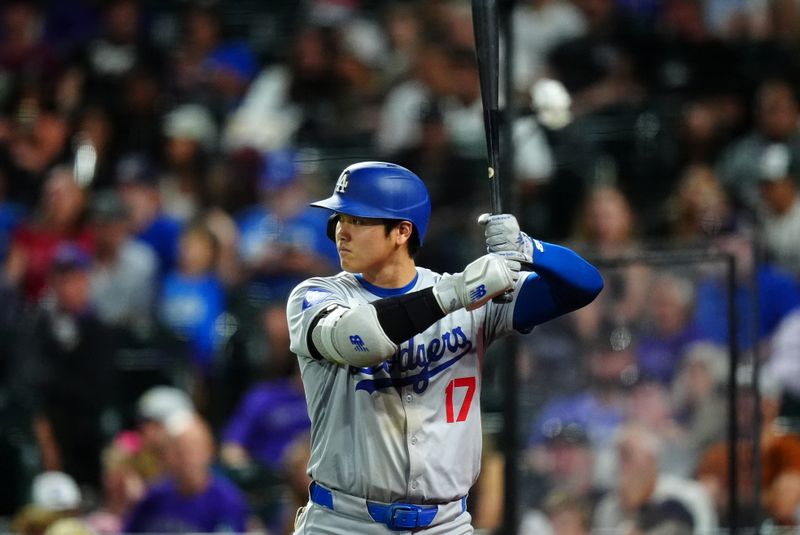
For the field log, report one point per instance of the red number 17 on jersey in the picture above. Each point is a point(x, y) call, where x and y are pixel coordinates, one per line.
point(460, 383)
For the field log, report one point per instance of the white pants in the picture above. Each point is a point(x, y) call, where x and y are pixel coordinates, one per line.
point(314, 519)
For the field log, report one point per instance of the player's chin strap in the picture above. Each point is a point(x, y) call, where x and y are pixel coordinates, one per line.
point(396, 516)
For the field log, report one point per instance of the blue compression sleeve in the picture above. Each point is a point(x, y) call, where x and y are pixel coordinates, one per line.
point(561, 282)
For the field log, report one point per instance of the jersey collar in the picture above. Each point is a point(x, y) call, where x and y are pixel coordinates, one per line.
point(385, 292)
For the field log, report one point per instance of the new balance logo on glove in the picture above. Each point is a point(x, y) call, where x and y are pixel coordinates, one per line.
point(358, 343)
point(477, 293)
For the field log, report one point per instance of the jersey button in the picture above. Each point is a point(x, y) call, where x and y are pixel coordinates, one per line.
point(408, 398)
point(413, 441)
point(414, 484)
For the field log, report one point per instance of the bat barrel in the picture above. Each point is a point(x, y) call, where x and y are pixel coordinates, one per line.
point(487, 47)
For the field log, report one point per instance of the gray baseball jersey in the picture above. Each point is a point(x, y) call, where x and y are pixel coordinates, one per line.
point(409, 428)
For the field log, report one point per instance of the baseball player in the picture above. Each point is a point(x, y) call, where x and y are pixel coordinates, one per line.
point(391, 355)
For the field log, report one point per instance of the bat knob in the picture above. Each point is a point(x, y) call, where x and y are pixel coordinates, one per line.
point(504, 298)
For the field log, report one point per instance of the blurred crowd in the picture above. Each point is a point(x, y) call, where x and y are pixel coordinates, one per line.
point(156, 164)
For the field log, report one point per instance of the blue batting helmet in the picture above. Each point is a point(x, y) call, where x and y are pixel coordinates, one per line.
point(382, 191)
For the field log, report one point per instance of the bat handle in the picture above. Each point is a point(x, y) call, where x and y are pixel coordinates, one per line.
point(496, 206)
point(504, 298)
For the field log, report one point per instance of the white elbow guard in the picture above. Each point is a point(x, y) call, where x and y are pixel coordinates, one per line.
point(352, 336)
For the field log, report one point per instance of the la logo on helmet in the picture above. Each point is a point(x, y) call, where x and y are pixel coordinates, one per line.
point(342, 182)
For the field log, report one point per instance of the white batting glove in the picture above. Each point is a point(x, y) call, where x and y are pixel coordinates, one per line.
point(483, 279)
point(504, 236)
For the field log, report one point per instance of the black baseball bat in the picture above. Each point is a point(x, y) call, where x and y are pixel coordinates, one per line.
point(485, 24)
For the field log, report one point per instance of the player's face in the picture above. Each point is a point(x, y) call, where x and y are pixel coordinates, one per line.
point(363, 244)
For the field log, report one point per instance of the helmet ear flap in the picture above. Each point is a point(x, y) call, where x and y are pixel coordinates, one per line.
point(331, 228)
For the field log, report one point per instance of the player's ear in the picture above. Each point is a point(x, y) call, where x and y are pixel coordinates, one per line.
point(404, 230)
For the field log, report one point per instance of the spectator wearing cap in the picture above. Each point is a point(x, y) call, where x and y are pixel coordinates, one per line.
point(282, 240)
point(123, 277)
point(699, 397)
point(231, 68)
point(645, 498)
point(55, 491)
point(153, 408)
point(54, 496)
point(780, 207)
point(60, 217)
point(191, 139)
point(191, 499)
point(776, 112)
point(65, 356)
point(563, 464)
point(158, 403)
point(137, 184)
